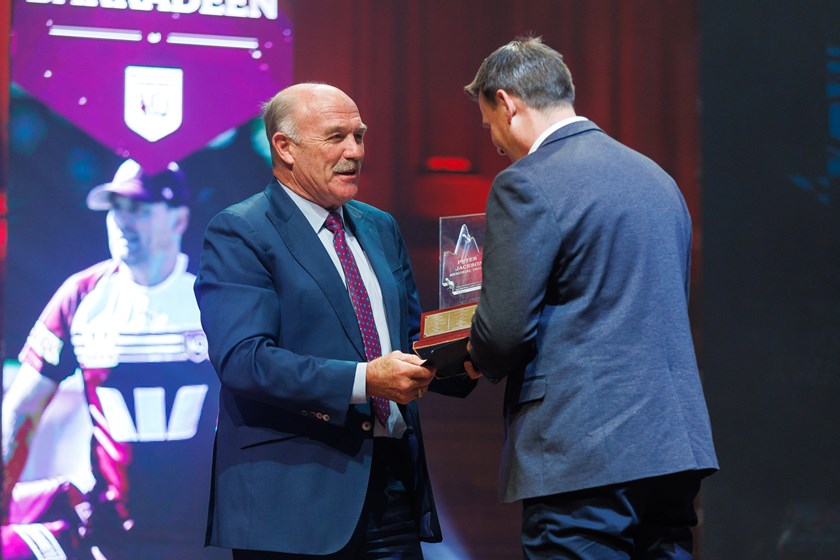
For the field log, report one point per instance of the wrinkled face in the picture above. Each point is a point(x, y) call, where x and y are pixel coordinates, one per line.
point(494, 118)
point(140, 232)
point(328, 158)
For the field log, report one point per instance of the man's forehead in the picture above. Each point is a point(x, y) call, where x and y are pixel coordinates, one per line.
point(329, 105)
point(343, 124)
point(328, 121)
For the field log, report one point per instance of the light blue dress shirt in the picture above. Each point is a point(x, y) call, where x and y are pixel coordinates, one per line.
point(316, 216)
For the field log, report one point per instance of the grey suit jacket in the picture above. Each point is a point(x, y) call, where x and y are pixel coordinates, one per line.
point(584, 309)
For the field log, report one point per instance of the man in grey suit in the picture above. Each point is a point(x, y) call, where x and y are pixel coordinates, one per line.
point(584, 310)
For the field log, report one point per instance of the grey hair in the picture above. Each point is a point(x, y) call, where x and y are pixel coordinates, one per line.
point(528, 69)
point(278, 116)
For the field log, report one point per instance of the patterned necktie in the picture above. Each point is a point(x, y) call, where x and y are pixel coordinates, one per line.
point(361, 304)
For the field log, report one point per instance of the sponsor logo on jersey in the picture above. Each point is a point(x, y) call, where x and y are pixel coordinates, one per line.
point(150, 422)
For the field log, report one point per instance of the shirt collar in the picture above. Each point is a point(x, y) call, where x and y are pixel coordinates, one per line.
point(552, 129)
point(314, 214)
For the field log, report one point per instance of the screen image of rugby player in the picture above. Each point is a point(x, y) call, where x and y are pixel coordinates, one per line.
point(109, 399)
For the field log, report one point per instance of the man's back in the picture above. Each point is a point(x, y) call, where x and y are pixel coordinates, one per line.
point(610, 352)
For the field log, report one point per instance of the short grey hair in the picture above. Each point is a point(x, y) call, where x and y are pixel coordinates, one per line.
point(278, 116)
point(528, 69)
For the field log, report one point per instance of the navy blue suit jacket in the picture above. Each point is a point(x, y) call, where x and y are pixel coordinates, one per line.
point(584, 309)
point(292, 456)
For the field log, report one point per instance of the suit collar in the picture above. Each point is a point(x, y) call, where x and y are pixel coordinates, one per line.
point(554, 128)
point(279, 202)
point(568, 131)
point(314, 214)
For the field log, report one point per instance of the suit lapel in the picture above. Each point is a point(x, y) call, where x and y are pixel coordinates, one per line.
point(368, 236)
point(306, 248)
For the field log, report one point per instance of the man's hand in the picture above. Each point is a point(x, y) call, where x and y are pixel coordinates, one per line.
point(398, 377)
point(471, 370)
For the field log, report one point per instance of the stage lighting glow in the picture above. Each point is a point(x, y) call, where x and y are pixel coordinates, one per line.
point(96, 33)
point(212, 40)
point(223, 140)
point(259, 142)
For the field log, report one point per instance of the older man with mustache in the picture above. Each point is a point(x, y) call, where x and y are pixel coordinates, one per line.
point(310, 306)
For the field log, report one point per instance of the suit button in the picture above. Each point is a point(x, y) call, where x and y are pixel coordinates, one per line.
point(305, 412)
point(319, 416)
point(367, 426)
point(326, 418)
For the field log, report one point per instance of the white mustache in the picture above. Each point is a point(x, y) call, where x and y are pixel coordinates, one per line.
point(346, 165)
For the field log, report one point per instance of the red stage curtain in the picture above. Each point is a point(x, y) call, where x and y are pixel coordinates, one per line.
point(634, 65)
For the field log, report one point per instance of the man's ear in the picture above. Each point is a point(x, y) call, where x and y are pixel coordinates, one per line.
point(181, 217)
point(508, 102)
point(282, 147)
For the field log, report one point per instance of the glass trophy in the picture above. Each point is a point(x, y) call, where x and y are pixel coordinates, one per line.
point(461, 242)
point(444, 333)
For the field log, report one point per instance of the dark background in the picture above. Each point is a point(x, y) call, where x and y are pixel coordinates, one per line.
point(733, 97)
point(771, 277)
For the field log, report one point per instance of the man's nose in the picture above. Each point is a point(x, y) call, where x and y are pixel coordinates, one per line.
point(354, 149)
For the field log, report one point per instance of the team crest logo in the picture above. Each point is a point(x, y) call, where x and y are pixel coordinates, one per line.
point(196, 346)
point(154, 100)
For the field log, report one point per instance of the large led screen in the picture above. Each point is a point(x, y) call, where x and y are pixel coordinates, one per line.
point(131, 124)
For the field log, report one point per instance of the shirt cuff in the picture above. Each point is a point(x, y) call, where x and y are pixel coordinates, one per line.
point(359, 395)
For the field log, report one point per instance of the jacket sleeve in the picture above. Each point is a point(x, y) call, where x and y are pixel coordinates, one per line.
point(519, 253)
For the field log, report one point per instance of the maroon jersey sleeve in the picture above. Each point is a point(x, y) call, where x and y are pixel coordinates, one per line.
point(47, 346)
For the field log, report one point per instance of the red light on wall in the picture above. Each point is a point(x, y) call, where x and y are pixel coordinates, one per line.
point(449, 164)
